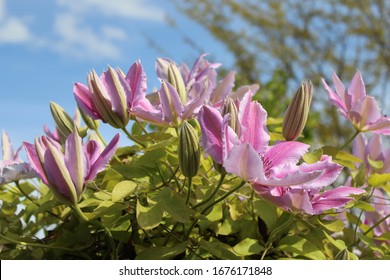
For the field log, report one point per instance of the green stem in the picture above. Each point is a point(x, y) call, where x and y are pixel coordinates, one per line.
point(33, 201)
point(131, 137)
point(359, 221)
point(98, 225)
point(376, 224)
point(189, 190)
point(141, 126)
point(43, 246)
point(213, 193)
point(212, 204)
point(350, 140)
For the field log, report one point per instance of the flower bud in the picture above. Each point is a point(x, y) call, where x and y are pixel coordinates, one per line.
point(297, 112)
point(229, 107)
point(176, 80)
point(188, 150)
point(342, 255)
point(63, 121)
point(89, 122)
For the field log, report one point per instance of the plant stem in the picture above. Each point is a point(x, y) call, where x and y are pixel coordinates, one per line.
point(131, 137)
point(189, 190)
point(350, 140)
point(33, 201)
point(213, 193)
point(141, 126)
point(43, 246)
point(376, 224)
point(212, 204)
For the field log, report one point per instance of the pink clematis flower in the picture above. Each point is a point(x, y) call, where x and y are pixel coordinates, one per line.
point(357, 107)
point(273, 171)
point(112, 96)
point(67, 172)
point(12, 168)
point(372, 149)
point(182, 93)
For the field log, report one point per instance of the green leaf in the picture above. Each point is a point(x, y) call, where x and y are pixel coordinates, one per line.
point(106, 208)
point(149, 217)
point(339, 244)
point(274, 121)
point(334, 226)
point(376, 179)
point(282, 226)
point(266, 211)
point(162, 144)
point(302, 247)
point(247, 247)
point(313, 157)
point(376, 164)
point(219, 249)
point(364, 206)
point(174, 205)
point(341, 157)
point(89, 202)
point(162, 253)
point(122, 190)
point(276, 136)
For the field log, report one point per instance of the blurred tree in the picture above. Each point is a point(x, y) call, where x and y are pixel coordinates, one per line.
point(301, 39)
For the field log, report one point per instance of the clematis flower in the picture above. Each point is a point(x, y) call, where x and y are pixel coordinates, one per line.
point(357, 107)
point(112, 96)
point(310, 201)
point(372, 150)
point(273, 171)
point(12, 168)
point(67, 172)
point(182, 93)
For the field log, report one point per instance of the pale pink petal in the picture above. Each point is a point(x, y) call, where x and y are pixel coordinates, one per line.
point(357, 89)
point(359, 147)
point(8, 152)
point(365, 112)
point(193, 106)
point(136, 77)
point(84, 101)
point(34, 161)
point(223, 88)
point(104, 158)
point(333, 199)
point(171, 105)
point(336, 100)
point(245, 162)
point(76, 161)
point(253, 119)
point(381, 126)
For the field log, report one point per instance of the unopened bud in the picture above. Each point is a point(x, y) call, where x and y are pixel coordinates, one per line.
point(188, 150)
point(342, 255)
point(89, 122)
point(297, 112)
point(229, 107)
point(63, 121)
point(176, 80)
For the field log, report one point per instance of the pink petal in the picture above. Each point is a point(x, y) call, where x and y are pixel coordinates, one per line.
point(8, 152)
point(334, 198)
point(253, 119)
point(76, 161)
point(84, 101)
point(171, 105)
point(193, 106)
point(223, 88)
point(336, 100)
point(103, 159)
point(357, 89)
point(365, 112)
point(136, 77)
point(34, 161)
point(359, 147)
point(245, 162)
point(381, 126)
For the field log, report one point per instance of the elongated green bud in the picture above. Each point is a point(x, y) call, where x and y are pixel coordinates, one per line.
point(297, 112)
point(176, 80)
point(188, 150)
point(89, 122)
point(63, 121)
point(342, 255)
point(229, 107)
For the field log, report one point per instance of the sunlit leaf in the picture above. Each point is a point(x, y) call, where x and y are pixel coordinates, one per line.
point(248, 247)
point(149, 217)
point(376, 179)
point(123, 189)
point(162, 253)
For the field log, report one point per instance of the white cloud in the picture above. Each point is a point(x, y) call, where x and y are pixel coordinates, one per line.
point(12, 29)
point(136, 9)
point(78, 39)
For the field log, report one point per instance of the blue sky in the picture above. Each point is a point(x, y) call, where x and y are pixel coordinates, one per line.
point(47, 45)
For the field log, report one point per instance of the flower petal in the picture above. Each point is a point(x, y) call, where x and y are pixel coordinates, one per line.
point(103, 159)
point(171, 105)
point(223, 88)
point(245, 162)
point(136, 77)
point(84, 101)
point(253, 119)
